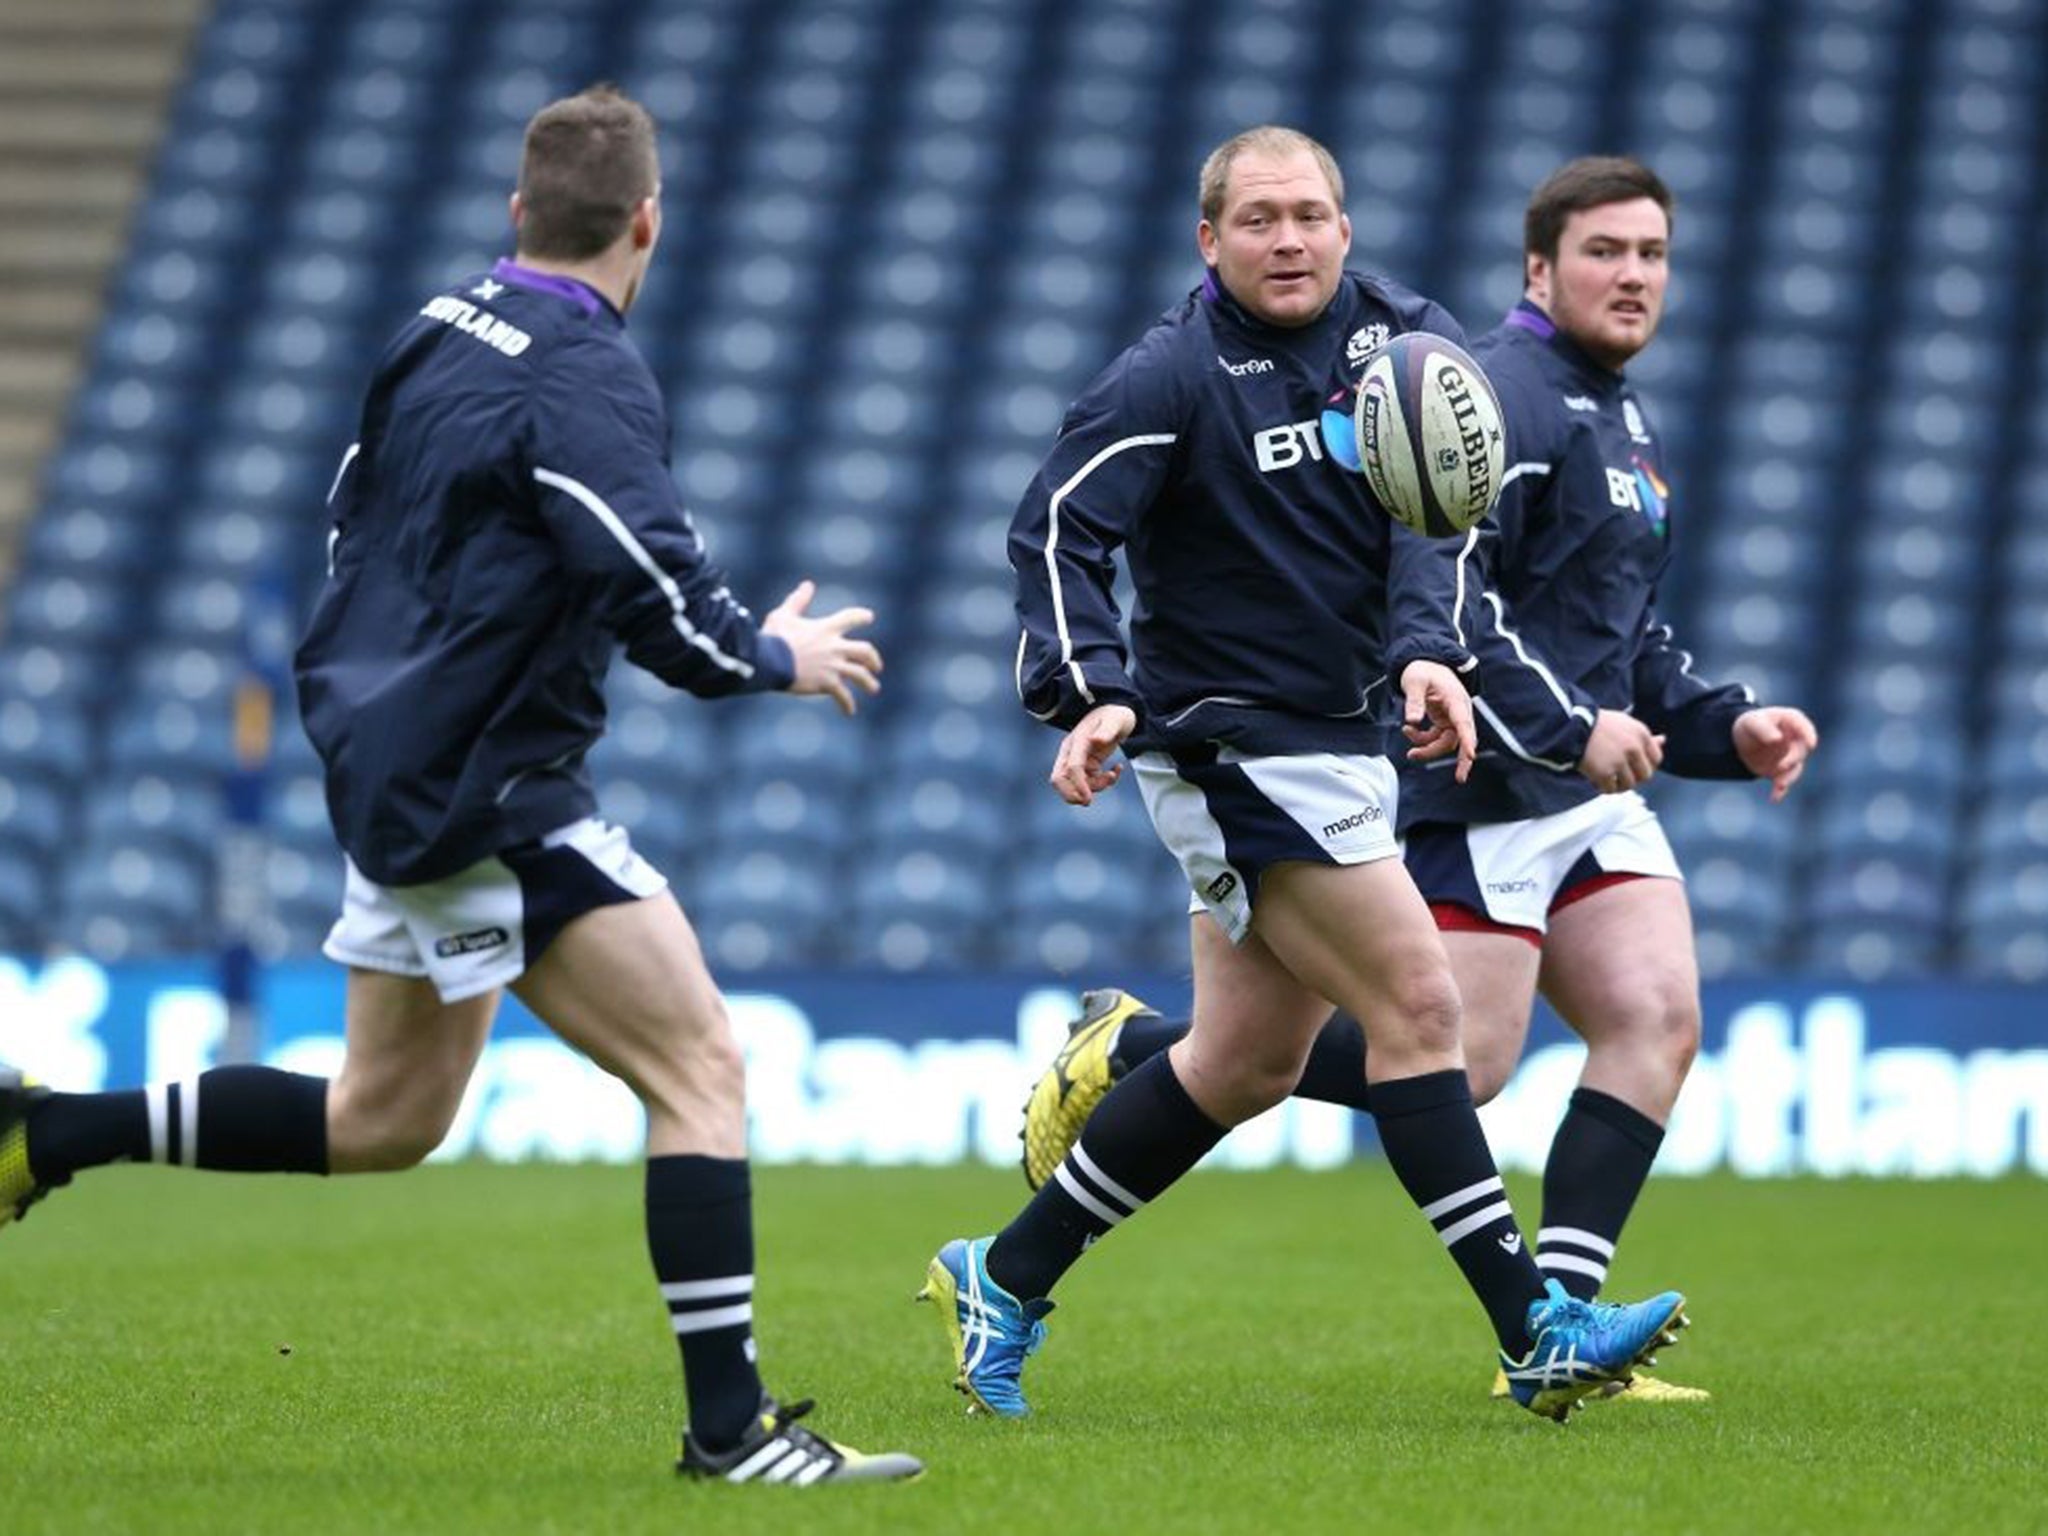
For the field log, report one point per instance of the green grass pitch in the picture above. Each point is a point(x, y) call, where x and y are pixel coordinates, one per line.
point(477, 1348)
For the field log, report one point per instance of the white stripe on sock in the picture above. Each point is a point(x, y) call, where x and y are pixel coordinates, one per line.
point(158, 1096)
point(1464, 1196)
point(188, 1122)
point(701, 1290)
point(1088, 1202)
point(1475, 1221)
point(1576, 1237)
point(1101, 1180)
point(715, 1317)
point(1572, 1264)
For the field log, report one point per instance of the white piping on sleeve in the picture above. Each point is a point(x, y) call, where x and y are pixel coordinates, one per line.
point(1500, 623)
point(341, 469)
point(1458, 601)
point(1661, 634)
point(1513, 744)
point(616, 527)
point(1052, 540)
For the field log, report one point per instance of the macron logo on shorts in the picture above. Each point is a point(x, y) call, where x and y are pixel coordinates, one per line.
point(1363, 816)
point(475, 942)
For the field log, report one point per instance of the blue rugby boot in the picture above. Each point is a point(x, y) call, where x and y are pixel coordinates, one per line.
point(1578, 1347)
point(992, 1331)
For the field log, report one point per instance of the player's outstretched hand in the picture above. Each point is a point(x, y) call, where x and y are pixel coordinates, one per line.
point(1774, 743)
point(1436, 716)
point(828, 658)
point(1083, 769)
point(1621, 754)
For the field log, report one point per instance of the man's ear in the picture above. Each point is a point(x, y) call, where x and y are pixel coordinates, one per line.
point(517, 208)
point(646, 222)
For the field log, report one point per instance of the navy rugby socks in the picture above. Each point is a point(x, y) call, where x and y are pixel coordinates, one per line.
point(700, 1235)
point(234, 1119)
point(1598, 1162)
point(1433, 1142)
point(1145, 1134)
point(1335, 1073)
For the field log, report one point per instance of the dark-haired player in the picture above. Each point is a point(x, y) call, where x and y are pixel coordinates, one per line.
point(1254, 710)
point(1544, 869)
point(506, 522)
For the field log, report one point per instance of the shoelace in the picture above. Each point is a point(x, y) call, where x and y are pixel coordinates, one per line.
point(784, 1424)
point(1569, 1312)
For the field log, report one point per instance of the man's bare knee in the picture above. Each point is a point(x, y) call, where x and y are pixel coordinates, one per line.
point(1234, 1087)
point(1489, 1068)
point(367, 1137)
point(706, 1067)
point(1424, 1009)
point(1674, 1031)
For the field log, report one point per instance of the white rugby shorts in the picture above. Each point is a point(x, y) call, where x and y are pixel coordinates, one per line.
point(483, 927)
point(1516, 873)
point(1227, 817)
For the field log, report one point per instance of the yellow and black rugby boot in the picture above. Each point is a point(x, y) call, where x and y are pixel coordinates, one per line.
point(1080, 1075)
point(19, 1187)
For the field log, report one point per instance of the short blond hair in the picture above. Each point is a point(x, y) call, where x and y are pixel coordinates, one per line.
point(1266, 139)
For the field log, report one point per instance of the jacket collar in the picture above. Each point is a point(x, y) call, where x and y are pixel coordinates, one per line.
point(1527, 316)
point(1216, 294)
point(581, 294)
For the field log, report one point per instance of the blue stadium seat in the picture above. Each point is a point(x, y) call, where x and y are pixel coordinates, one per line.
point(881, 937)
point(35, 812)
point(1876, 950)
point(1893, 750)
point(172, 736)
point(180, 811)
point(1884, 888)
point(73, 678)
point(69, 611)
point(135, 898)
point(964, 807)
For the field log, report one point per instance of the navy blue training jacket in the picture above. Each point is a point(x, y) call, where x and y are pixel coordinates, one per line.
point(1218, 453)
point(505, 521)
point(1556, 594)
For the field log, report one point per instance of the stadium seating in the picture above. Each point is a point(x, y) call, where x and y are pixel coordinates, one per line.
point(900, 239)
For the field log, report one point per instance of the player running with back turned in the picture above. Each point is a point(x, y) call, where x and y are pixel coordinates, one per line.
point(505, 522)
point(1256, 711)
point(1545, 869)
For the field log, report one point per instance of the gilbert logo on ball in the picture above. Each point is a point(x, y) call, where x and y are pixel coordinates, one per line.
point(1430, 439)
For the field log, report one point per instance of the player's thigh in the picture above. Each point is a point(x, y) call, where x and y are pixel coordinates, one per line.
point(408, 1061)
point(1496, 975)
point(627, 985)
point(1620, 964)
point(1253, 1024)
point(1246, 1002)
point(1361, 936)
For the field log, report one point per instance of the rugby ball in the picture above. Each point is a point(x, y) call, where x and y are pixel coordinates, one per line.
point(1430, 440)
